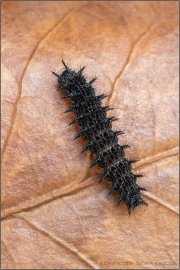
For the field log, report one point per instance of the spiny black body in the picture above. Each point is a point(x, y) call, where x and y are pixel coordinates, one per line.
point(103, 141)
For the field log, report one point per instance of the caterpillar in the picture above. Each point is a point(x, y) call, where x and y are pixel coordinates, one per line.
point(102, 140)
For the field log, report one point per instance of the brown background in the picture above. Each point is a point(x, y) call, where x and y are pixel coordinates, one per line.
point(55, 214)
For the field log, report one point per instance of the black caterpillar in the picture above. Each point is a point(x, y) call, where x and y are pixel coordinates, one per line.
point(103, 141)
